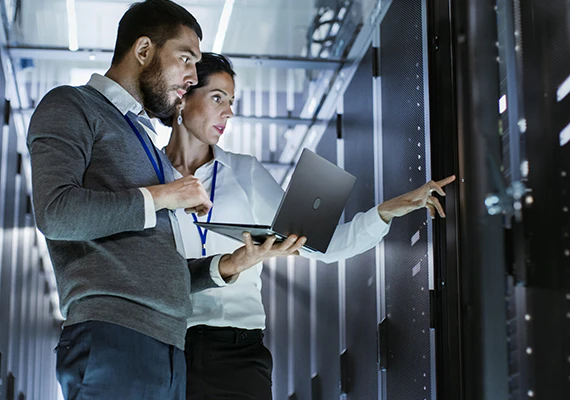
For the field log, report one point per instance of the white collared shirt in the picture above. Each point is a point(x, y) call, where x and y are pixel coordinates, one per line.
point(246, 193)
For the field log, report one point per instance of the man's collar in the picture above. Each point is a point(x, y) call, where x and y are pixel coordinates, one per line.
point(116, 94)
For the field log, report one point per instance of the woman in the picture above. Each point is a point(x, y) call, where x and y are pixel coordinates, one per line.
point(225, 354)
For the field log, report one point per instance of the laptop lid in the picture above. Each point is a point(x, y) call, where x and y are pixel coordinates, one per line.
point(314, 201)
point(311, 206)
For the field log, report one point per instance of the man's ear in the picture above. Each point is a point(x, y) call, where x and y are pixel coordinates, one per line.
point(144, 50)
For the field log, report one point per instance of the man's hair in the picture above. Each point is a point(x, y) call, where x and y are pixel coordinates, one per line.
point(210, 64)
point(160, 20)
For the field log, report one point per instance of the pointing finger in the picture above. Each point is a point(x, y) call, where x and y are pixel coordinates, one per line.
point(445, 181)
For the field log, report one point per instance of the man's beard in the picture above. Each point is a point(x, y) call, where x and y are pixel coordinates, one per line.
point(155, 91)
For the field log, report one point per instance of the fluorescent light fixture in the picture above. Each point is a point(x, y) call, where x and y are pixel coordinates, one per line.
point(311, 137)
point(565, 136)
point(503, 104)
point(312, 105)
point(223, 26)
point(563, 90)
point(72, 25)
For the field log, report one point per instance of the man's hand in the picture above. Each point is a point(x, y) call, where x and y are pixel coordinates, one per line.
point(247, 256)
point(414, 200)
point(187, 193)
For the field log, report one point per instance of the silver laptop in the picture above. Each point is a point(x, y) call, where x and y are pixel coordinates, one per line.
point(311, 207)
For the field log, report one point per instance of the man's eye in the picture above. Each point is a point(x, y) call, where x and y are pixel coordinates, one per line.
point(217, 99)
point(185, 59)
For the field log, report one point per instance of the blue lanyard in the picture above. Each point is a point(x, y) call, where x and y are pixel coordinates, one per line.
point(158, 168)
point(203, 234)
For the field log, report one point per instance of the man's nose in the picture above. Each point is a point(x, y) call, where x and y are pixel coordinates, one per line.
point(192, 76)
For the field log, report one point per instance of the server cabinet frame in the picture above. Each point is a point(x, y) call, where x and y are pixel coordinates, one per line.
point(469, 297)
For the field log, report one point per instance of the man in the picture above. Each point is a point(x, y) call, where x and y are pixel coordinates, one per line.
point(102, 197)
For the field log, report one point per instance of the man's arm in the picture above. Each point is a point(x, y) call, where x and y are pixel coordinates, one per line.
point(60, 141)
point(203, 272)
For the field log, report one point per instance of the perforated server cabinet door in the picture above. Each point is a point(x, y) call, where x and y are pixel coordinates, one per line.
point(359, 362)
point(325, 376)
point(405, 161)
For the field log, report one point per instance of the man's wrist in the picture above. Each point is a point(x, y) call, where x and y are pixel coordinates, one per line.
point(155, 192)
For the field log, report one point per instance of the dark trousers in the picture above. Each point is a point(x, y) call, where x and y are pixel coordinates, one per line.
point(102, 361)
point(227, 363)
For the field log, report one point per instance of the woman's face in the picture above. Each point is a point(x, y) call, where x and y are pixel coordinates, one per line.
point(207, 110)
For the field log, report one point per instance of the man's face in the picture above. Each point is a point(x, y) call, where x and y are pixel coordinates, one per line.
point(172, 70)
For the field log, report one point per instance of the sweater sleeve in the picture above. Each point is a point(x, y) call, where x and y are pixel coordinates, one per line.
point(203, 273)
point(60, 141)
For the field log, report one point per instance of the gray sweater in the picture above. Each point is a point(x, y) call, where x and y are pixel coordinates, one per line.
point(87, 166)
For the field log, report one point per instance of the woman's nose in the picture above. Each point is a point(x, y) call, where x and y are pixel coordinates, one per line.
point(229, 113)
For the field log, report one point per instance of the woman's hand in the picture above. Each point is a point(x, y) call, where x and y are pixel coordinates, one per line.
point(251, 254)
point(416, 199)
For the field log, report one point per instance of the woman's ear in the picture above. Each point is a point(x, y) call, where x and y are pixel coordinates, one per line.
point(144, 50)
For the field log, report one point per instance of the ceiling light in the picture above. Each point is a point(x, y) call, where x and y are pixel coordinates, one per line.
point(223, 26)
point(72, 25)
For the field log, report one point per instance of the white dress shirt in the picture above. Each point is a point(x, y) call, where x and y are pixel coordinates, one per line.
point(246, 193)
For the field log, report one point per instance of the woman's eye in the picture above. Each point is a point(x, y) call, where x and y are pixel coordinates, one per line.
point(217, 99)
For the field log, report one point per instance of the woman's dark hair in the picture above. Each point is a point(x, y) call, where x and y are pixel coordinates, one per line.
point(160, 20)
point(210, 64)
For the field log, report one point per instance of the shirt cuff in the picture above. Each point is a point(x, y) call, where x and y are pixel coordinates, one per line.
point(149, 210)
point(374, 224)
point(215, 272)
